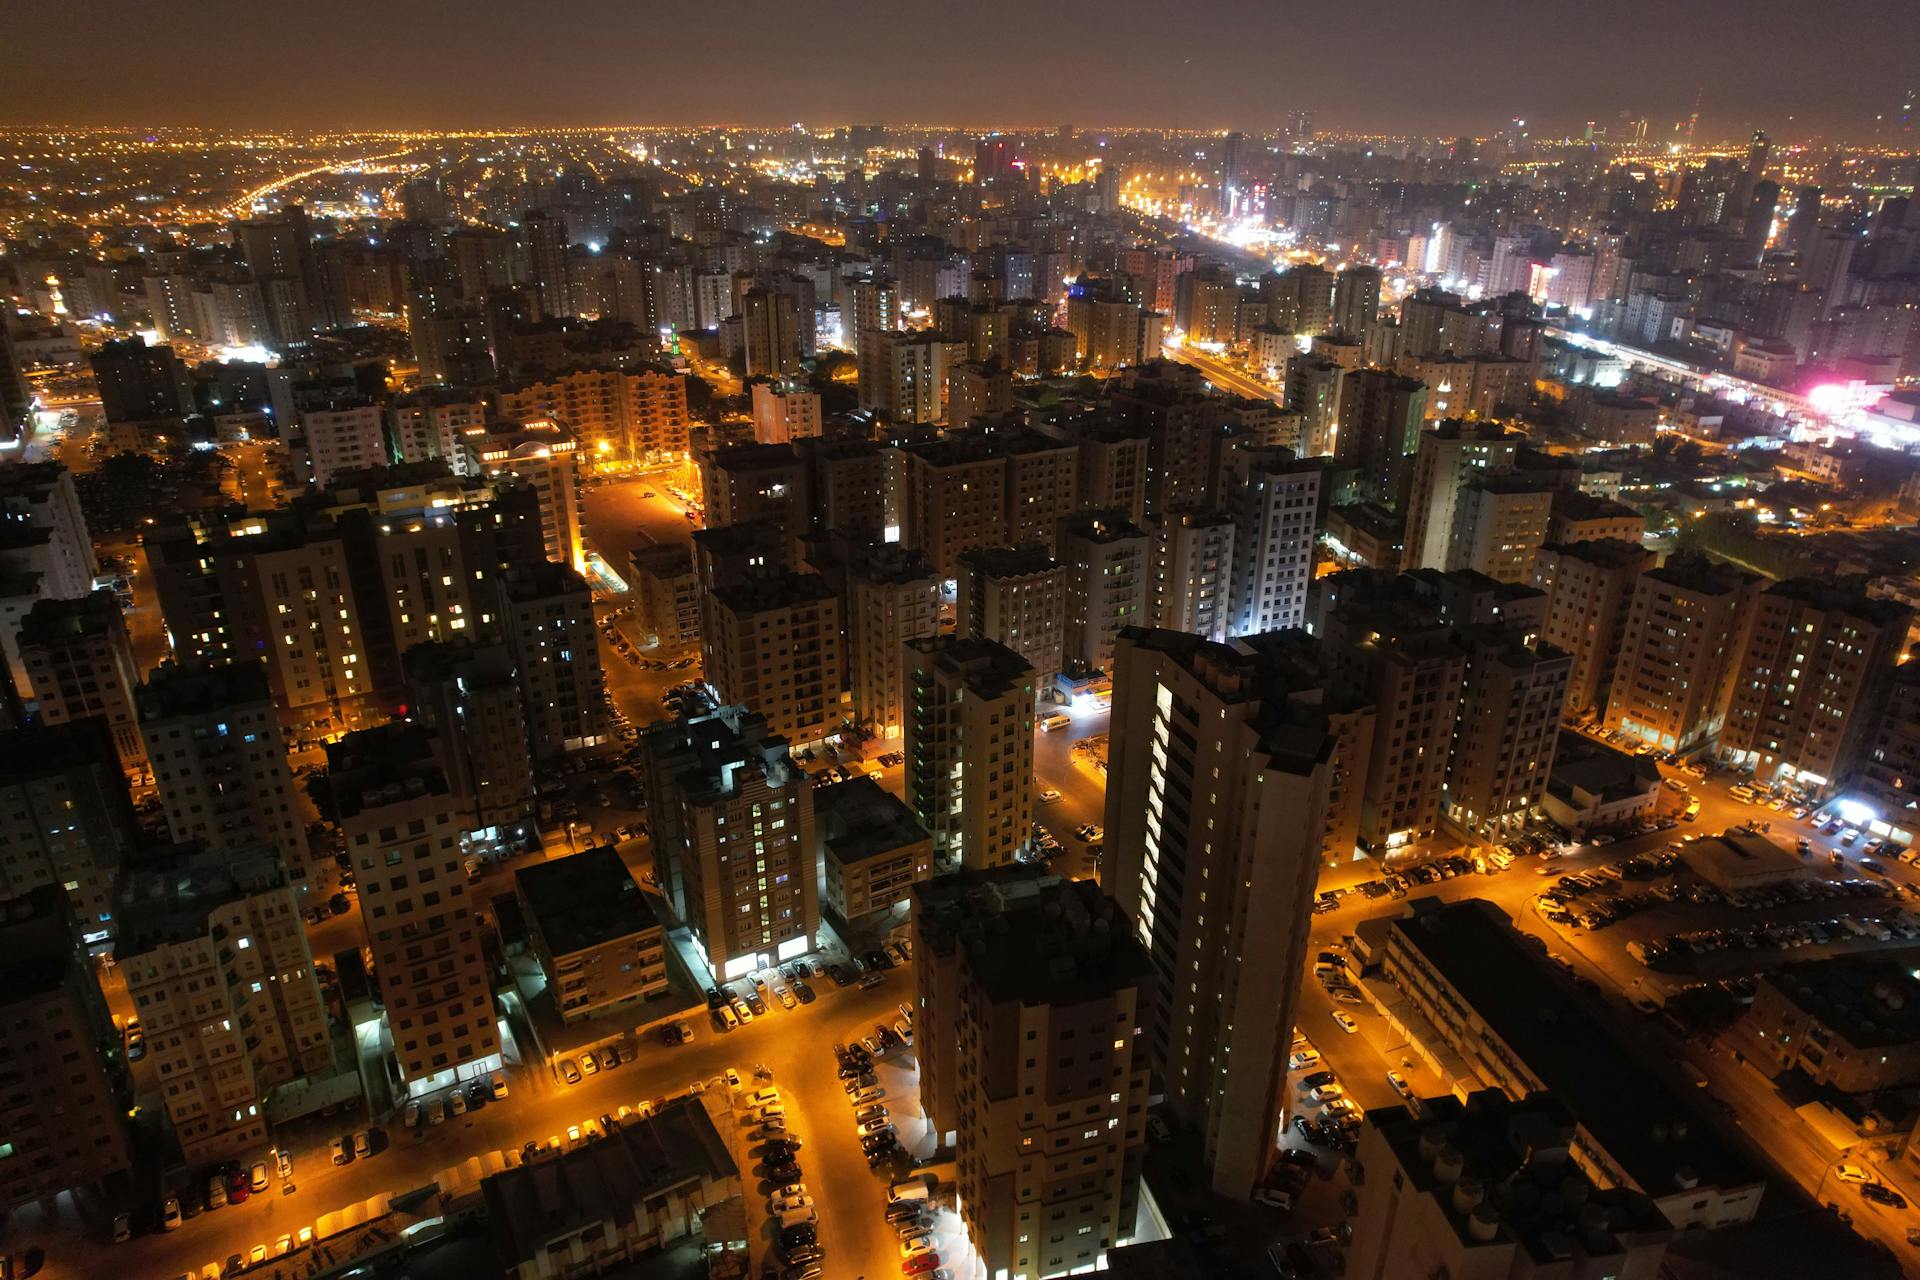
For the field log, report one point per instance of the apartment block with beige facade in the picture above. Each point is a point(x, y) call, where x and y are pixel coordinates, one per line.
point(402, 828)
point(1031, 990)
point(215, 959)
point(969, 748)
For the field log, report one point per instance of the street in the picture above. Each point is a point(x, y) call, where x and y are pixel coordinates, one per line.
point(793, 1043)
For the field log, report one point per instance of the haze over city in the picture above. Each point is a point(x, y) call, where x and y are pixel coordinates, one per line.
point(1801, 70)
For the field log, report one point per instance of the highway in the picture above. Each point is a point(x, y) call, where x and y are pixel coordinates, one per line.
point(1224, 374)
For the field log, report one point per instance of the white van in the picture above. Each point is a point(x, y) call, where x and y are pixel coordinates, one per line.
point(1058, 720)
point(913, 1189)
point(723, 1018)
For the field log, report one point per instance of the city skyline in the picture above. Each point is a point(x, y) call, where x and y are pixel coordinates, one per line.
point(1426, 69)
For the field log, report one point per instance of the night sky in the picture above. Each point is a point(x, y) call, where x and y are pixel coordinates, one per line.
point(1419, 66)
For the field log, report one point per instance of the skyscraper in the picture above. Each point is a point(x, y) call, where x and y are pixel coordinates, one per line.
point(1217, 789)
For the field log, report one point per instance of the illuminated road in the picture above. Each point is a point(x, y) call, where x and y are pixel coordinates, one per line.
point(1224, 374)
point(246, 201)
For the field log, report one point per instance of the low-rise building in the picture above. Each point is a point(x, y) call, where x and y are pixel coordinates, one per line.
point(646, 1184)
point(1739, 860)
point(1484, 1010)
point(600, 938)
point(872, 852)
point(1491, 1187)
point(1851, 1023)
point(1593, 788)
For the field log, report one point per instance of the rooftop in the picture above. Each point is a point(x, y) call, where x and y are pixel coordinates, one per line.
point(1614, 553)
point(1030, 936)
point(371, 768)
point(165, 895)
point(529, 1205)
point(38, 945)
point(1643, 1122)
point(1872, 1003)
point(988, 668)
point(55, 622)
point(1843, 595)
point(1573, 504)
point(541, 579)
point(1581, 763)
point(1506, 1167)
point(1691, 572)
point(174, 690)
point(1009, 562)
point(753, 457)
point(1101, 527)
point(587, 899)
point(781, 590)
point(858, 819)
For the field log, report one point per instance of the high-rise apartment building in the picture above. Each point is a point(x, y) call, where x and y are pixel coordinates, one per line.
point(770, 323)
point(1109, 573)
point(1449, 455)
point(908, 374)
point(546, 613)
point(64, 1111)
point(969, 747)
point(543, 454)
point(1356, 300)
point(139, 383)
point(733, 838)
point(1499, 524)
point(1818, 661)
point(1275, 504)
point(1313, 391)
point(752, 482)
point(215, 959)
point(1687, 627)
point(773, 644)
point(784, 412)
point(623, 415)
point(342, 438)
point(1031, 992)
point(1381, 414)
point(980, 489)
point(1391, 656)
point(667, 593)
point(1589, 586)
point(892, 597)
point(65, 818)
point(1016, 596)
point(220, 764)
point(1217, 789)
point(1511, 692)
point(1192, 570)
point(469, 695)
point(402, 830)
point(79, 663)
point(47, 531)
